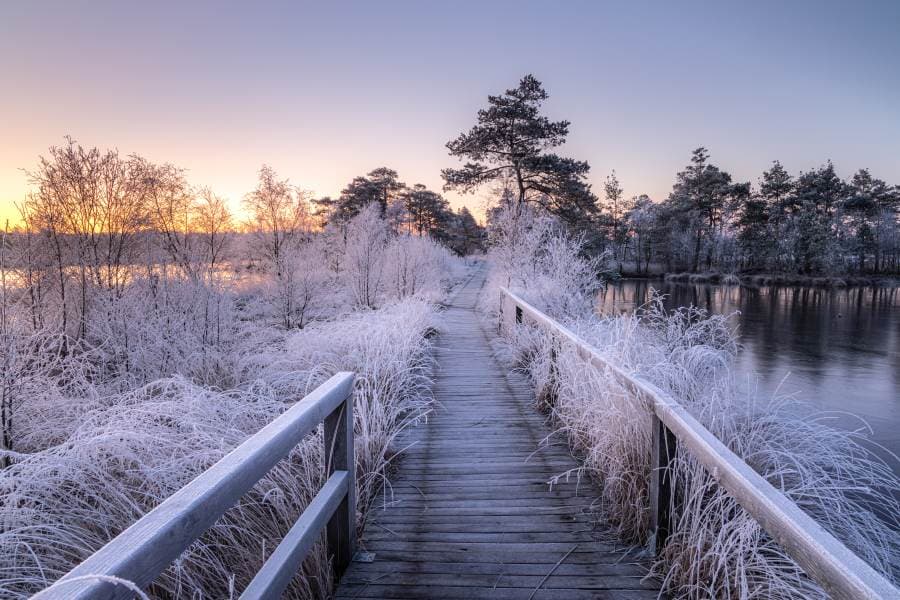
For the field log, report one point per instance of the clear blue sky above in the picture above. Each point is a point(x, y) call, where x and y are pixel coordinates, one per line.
point(327, 91)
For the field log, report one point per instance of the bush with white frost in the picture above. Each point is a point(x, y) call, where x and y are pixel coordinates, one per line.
point(717, 550)
point(531, 251)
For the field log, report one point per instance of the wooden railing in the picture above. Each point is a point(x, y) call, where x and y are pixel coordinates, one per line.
point(840, 572)
point(140, 553)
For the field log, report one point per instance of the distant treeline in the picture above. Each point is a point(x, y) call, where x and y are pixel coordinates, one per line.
point(97, 207)
point(811, 224)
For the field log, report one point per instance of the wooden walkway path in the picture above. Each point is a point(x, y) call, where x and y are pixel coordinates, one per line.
point(469, 513)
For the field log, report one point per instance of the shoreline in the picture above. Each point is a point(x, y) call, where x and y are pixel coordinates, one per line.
point(767, 279)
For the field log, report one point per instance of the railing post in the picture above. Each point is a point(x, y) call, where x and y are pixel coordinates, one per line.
point(554, 360)
point(550, 396)
point(664, 445)
point(518, 314)
point(341, 529)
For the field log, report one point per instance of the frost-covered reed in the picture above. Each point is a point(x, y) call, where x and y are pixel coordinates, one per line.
point(717, 550)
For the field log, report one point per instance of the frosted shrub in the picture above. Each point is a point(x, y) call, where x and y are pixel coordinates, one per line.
point(533, 254)
point(36, 381)
point(165, 325)
point(367, 238)
point(301, 293)
point(417, 266)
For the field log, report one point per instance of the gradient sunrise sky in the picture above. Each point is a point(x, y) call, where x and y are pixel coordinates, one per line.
point(326, 91)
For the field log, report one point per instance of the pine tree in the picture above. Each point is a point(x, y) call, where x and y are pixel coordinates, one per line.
point(615, 207)
point(777, 190)
point(381, 186)
point(428, 211)
point(698, 200)
point(511, 140)
point(753, 230)
point(817, 195)
point(867, 200)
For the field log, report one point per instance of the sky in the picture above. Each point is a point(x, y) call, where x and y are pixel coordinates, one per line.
point(327, 91)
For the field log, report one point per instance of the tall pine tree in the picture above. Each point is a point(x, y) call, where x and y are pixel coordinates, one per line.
point(512, 141)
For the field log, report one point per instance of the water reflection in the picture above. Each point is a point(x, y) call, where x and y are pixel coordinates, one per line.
point(837, 348)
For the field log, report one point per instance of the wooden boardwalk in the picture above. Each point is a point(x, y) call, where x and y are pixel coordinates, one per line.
point(469, 513)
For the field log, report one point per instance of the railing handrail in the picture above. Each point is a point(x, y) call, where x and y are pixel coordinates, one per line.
point(144, 550)
point(830, 563)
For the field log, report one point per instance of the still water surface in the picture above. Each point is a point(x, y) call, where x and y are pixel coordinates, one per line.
point(838, 349)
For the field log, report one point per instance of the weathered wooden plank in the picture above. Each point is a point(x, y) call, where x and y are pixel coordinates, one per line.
point(496, 568)
point(507, 580)
point(383, 592)
point(473, 539)
point(493, 509)
point(559, 548)
point(520, 529)
point(493, 556)
point(483, 521)
point(464, 503)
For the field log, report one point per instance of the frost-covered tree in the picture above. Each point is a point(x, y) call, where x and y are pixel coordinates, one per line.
point(414, 266)
point(699, 205)
point(817, 194)
point(172, 214)
point(463, 234)
point(298, 294)
point(776, 189)
point(279, 218)
point(531, 250)
point(367, 238)
point(753, 230)
point(616, 208)
point(92, 205)
point(512, 141)
point(869, 204)
point(641, 220)
point(212, 221)
point(280, 224)
point(428, 212)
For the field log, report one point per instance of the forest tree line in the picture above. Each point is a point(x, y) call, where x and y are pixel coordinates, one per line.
point(814, 223)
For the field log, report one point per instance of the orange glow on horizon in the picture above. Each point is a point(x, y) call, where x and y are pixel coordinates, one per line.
point(14, 188)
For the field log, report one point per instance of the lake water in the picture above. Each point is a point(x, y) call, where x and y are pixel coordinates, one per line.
point(838, 349)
